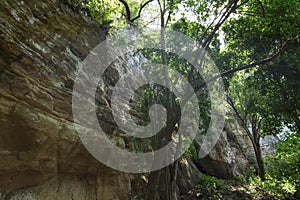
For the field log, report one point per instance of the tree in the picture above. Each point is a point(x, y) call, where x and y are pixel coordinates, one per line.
point(244, 104)
point(263, 22)
point(260, 97)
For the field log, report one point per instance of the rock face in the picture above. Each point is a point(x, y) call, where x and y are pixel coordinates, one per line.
point(42, 157)
point(231, 155)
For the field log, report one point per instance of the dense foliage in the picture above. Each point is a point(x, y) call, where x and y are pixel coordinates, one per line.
point(283, 173)
point(255, 44)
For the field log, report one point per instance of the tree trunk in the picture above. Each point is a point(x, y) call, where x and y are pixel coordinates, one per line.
point(164, 179)
point(162, 184)
point(173, 192)
point(257, 150)
point(161, 180)
point(254, 137)
point(260, 163)
point(153, 185)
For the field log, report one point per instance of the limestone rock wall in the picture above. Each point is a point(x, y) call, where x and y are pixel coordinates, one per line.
point(41, 43)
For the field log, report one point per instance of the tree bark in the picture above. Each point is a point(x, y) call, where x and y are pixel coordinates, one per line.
point(162, 180)
point(254, 136)
point(259, 160)
point(255, 124)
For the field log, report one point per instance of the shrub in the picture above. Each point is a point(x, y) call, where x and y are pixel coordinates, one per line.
point(213, 188)
point(282, 169)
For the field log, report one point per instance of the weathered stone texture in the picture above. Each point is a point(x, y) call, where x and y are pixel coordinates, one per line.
point(231, 155)
point(41, 43)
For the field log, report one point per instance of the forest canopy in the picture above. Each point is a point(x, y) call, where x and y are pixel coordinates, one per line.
point(255, 45)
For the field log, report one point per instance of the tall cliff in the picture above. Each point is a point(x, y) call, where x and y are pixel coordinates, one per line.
point(42, 157)
point(41, 44)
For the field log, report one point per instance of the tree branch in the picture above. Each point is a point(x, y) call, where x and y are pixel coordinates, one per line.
point(128, 13)
point(211, 23)
point(251, 65)
point(140, 11)
point(242, 120)
point(231, 71)
point(230, 9)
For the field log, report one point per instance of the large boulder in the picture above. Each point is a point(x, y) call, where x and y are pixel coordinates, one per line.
point(232, 154)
